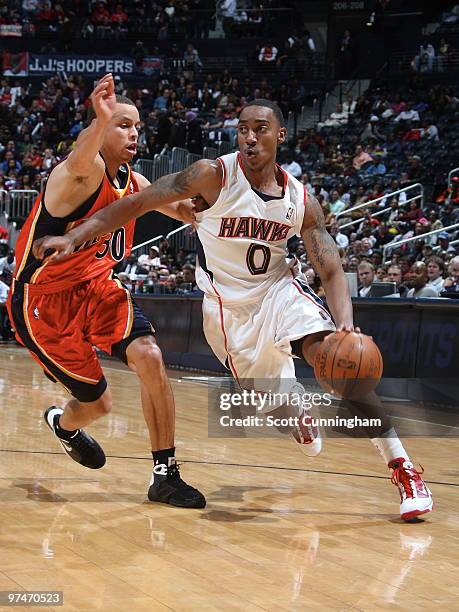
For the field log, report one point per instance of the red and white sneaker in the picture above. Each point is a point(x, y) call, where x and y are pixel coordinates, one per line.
point(415, 496)
point(308, 435)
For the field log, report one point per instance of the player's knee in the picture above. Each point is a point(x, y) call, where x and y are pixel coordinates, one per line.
point(145, 358)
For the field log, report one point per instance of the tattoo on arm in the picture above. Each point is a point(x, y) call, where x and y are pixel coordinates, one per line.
point(320, 246)
point(178, 183)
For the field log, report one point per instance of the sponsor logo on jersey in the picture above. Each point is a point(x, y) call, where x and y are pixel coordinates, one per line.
point(251, 227)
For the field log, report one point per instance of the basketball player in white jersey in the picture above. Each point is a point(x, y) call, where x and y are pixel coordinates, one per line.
point(256, 313)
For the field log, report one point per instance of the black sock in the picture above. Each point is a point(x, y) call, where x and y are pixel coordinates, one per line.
point(163, 456)
point(62, 433)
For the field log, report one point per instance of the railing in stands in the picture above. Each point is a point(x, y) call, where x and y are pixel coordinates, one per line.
point(21, 201)
point(402, 61)
point(386, 196)
point(209, 153)
point(178, 159)
point(144, 247)
point(395, 244)
point(183, 237)
point(3, 202)
point(17, 203)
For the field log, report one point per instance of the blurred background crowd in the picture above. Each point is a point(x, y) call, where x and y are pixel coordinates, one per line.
point(362, 125)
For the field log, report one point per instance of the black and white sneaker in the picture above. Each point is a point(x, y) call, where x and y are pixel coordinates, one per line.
point(169, 488)
point(81, 447)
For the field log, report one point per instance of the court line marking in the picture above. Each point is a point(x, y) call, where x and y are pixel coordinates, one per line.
point(202, 383)
point(246, 465)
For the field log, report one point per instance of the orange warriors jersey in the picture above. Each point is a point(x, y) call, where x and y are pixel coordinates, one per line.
point(89, 260)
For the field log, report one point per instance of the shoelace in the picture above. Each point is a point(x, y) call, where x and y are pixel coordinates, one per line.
point(404, 476)
point(174, 473)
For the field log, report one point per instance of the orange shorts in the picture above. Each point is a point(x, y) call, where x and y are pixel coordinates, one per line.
point(61, 330)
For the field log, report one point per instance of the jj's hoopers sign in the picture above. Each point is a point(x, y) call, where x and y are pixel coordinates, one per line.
point(78, 64)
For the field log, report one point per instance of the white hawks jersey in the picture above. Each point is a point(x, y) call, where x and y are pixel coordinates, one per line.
point(242, 240)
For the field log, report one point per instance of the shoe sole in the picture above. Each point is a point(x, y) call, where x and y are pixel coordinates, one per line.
point(168, 503)
point(414, 513)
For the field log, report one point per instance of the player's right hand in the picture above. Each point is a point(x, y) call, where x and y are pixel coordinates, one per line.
point(103, 98)
point(53, 247)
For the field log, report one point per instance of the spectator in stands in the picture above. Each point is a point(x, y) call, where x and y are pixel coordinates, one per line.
point(346, 55)
point(150, 260)
point(376, 167)
point(292, 166)
point(228, 8)
point(408, 114)
point(130, 269)
point(366, 274)
point(191, 58)
point(444, 246)
point(394, 275)
point(8, 264)
point(417, 281)
point(349, 105)
point(336, 204)
point(361, 157)
point(444, 55)
point(424, 61)
point(371, 131)
point(413, 215)
point(339, 117)
point(100, 14)
point(229, 126)
point(268, 54)
point(435, 270)
point(341, 239)
point(162, 102)
point(189, 276)
point(451, 283)
point(429, 131)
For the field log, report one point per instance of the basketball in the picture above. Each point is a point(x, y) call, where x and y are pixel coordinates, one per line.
point(348, 364)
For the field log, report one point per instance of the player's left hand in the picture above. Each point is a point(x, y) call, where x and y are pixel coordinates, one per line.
point(348, 327)
point(186, 210)
point(54, 247)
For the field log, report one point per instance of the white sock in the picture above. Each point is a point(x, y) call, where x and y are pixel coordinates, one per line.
point(390, 447)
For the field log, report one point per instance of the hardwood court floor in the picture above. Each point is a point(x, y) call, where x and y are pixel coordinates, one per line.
point(281, 532)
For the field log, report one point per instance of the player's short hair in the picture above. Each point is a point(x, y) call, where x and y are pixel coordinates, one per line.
point(119, 100)
point(268, 104)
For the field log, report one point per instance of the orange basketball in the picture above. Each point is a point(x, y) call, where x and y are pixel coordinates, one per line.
point(348, 364)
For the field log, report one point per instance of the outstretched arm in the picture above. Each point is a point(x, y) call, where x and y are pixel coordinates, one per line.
point(184, 210)
point(201, 178)
point(324, 256)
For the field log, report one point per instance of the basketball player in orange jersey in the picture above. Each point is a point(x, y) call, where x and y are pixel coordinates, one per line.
point(257, 314)
point(61, 309)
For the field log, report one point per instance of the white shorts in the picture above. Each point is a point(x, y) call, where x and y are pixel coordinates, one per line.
point(253, 340)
